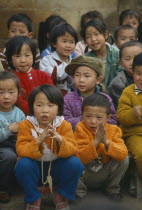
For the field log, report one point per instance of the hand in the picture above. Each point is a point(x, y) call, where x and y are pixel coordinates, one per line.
point(100, 135)
point(138, 111)
point(13, 127)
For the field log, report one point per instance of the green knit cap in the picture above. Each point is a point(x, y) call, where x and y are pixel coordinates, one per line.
point(91, 62)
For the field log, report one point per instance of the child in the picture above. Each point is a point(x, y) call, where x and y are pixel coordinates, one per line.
point(21, 52)
point(129, 17)
point(124, 33)
point(42, 137)
point(100, 147)
point(81, 47)
point(10, 115)
point(129, 114)
point(63, 40)
point(44, 30)
point(95, 35)
point(19, 24)
point(87, 74)
point(124, 78)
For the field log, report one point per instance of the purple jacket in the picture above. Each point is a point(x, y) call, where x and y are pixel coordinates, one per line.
point(72, 108)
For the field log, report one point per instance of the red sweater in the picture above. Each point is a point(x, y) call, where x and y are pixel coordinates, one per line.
point(28, 81)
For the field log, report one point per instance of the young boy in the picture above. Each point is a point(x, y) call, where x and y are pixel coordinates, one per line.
point(129, 17)
point(10, 115)
point(124, 33)
point(19, 25)
point(100, 146)
point(124, 78)
point(129, 114)
point(87, 74)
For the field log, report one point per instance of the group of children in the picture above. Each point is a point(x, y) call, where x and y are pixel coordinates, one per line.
point(58, 113)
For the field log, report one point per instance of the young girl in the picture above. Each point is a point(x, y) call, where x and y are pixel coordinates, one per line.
point(87, 74)
point(45, 136)
point(95, 35)
point(10, 116)
point(63, 40)
point(21, 52)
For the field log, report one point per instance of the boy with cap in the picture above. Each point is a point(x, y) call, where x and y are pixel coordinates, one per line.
point(87, 74)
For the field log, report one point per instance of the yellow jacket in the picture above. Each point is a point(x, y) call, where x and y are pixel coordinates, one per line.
point(87, 151)
point(129, 123)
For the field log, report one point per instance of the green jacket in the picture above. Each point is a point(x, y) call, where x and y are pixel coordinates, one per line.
point(112, 65)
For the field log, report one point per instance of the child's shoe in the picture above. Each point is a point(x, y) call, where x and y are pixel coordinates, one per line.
point(34, 206)
point(4, 197)
point(60, 202)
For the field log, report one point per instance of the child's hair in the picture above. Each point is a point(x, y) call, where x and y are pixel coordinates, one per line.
point(20, 17)
point(61, 30)
point(45, 28)
point(53, 94)
point(128, 12)
point(129, 44)
point(118, 29)
point(137, 61)
point(98, 24)
point(97, 99)
point(140, 32)
point(4, 75)
point(14, 46)
point(91, 15)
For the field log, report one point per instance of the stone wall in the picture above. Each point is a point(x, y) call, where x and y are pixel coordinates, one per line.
point(71, 10)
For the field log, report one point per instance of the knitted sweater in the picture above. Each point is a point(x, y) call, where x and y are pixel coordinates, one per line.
point(28, 81)
point(72, 108)
point(129, 123)
point(87, 151)
point(27, 145)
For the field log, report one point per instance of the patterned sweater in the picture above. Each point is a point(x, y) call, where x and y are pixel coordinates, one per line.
point(129, 123)
point(27, 145)
point(87, 151)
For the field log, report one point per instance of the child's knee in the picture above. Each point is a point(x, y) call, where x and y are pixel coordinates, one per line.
point(75, 164)
point(24, 165)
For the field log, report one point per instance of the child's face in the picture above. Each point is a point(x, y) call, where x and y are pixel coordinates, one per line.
point(44, 110)
point(125, 35)
point(23, 61)
point(85, 80)
point(65, 46)
point(94, 39)
point(18, 29)
point(128, 55)
point(138, 76)
point(132, 21)
point(8, 94)
point(93, 116)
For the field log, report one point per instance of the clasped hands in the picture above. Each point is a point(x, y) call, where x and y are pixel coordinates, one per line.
point(100, 136)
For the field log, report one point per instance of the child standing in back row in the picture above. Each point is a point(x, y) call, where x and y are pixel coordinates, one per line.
point(10, 116)
point(21, 52)
point(95, 35)
point(43, 137)
point(63, 39)
point(19, 25)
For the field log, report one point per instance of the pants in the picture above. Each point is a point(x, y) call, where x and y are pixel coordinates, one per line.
point(109, 176)
point(65, 173)
point(8, 159)
point(134, 145)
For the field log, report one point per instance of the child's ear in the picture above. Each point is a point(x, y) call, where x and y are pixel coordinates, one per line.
point(30, 35)
point(108, 117)
point(120, 63)
point(99, 80)
point(106, 35)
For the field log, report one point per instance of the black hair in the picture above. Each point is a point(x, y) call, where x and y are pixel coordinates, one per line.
point(128, 12)
point(129, 44)
point(10, 75)
point(53, 94)
point(98, 24)
point(45, 28)
point(92, 15)
point(60, 30)
point(137, 61)
point(97, 99)
point(118, 29)
point(140, 32)
point(21, 17)
point(14, 46)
